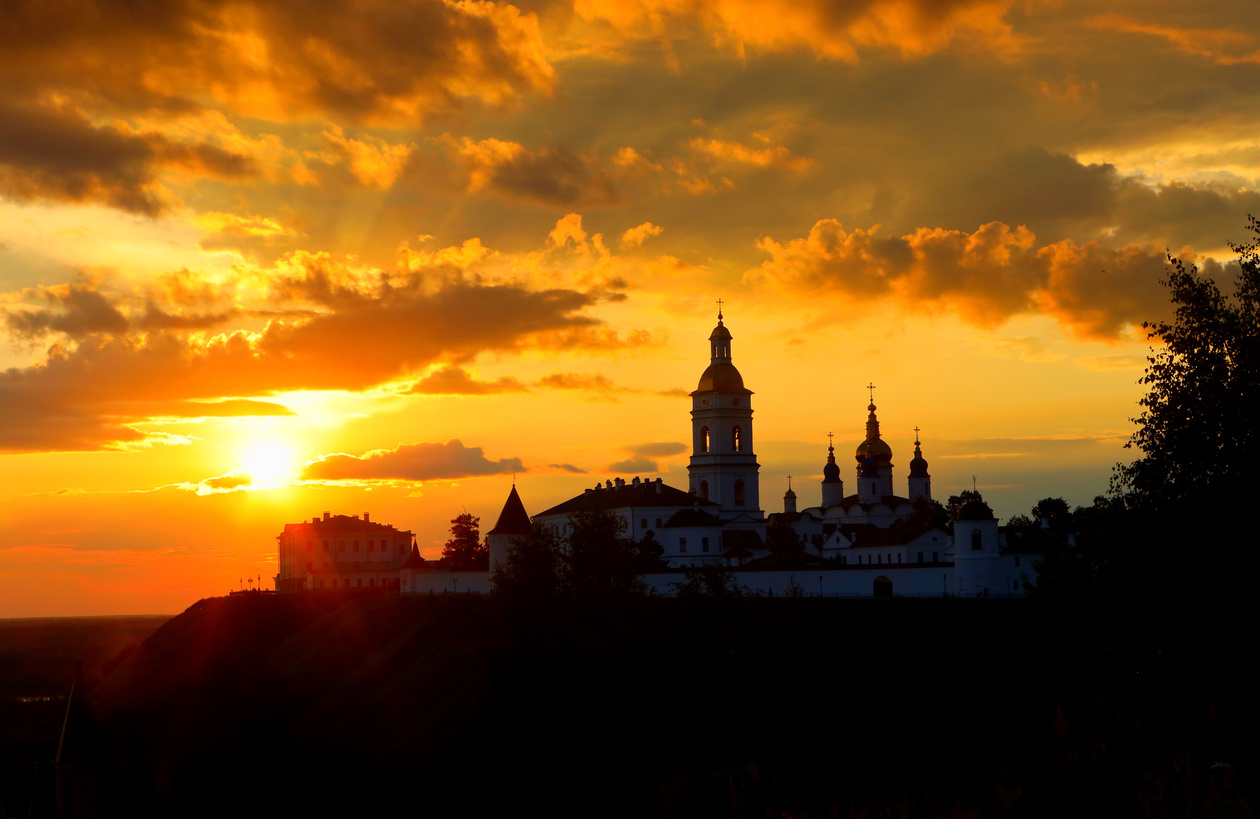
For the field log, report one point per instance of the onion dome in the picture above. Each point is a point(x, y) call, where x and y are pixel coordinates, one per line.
point(789, 494)
point(918, 466)
point(873, 446)
point(831, 472)
point(721, 376)
point(975, 510)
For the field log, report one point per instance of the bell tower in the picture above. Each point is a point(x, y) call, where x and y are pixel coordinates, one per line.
point(723, 468)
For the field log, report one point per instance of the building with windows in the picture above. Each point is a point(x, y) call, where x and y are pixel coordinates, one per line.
point(340, 552)
point(873, 541)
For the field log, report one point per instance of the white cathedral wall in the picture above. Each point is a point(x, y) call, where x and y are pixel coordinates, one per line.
point(445, 582)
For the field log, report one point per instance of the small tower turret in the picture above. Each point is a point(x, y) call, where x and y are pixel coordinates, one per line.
point(920, 481)
point(832, 486)
point(513, 523)
point(789, 499)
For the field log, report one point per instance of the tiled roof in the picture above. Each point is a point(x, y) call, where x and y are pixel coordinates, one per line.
point(867, 534)
point(344, 522)
point(645, 493)
point(691, 517)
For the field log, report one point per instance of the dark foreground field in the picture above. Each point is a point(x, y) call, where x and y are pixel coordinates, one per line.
point(435, 706)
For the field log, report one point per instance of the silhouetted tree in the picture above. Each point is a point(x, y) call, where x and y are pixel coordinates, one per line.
point(781, 539)
point(960, 500)
point(465, 552)
point(1197, 431)
point(599, 561)
point(1198, 434)
point(925, 513)
point(709, 581)
point(650, 555)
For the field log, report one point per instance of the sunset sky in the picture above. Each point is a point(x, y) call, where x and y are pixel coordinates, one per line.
point(262, 260)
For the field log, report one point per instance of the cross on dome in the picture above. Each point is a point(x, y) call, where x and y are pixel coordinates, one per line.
point(871, 389)
point(916, 436)
point(719, 304)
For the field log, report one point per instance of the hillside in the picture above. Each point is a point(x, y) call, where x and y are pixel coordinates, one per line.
point(672, 707)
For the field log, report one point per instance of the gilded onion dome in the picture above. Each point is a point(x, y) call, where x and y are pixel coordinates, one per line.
point(873, 446)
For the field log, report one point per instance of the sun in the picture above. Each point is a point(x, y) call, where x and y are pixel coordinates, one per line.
point(268, 461)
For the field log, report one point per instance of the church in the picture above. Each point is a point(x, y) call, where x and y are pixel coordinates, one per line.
point(864, 543)
point(873, 542)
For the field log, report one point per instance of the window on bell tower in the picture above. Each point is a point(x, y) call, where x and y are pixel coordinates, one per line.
point(737, 439)
point(704, 490)
point(739, 493)
point(704, 439)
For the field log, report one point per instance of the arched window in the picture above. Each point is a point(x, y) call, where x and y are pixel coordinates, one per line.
point(704, 439)
point(737, 439)
point(976, 544)
point(739, 493)
point(704, 490)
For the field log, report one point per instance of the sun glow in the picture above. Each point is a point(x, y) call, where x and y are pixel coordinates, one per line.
point(269, 462)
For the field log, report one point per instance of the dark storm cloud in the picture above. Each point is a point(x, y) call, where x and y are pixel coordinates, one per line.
point(555, 177)
point(411, 462)
point(49, 154)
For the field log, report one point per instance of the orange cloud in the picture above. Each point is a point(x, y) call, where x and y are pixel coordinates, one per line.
point(1224, 46)
point(410, 462)
point(452, 380)
point(837, 31)
point(87, 393)
point(374, 61)
point(636, 236)
point(986, 276)
point(729, 151)
point(373, 161)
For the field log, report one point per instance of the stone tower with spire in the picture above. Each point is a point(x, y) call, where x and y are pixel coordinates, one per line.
point(723, 467)
point(513, 523)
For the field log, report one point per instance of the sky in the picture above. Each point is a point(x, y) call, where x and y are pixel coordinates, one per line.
point(262, 260)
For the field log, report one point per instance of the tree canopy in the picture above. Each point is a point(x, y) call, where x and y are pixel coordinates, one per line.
point(1197, 431)
point(465, 552)
point(595, 561)
point(1171, 520)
